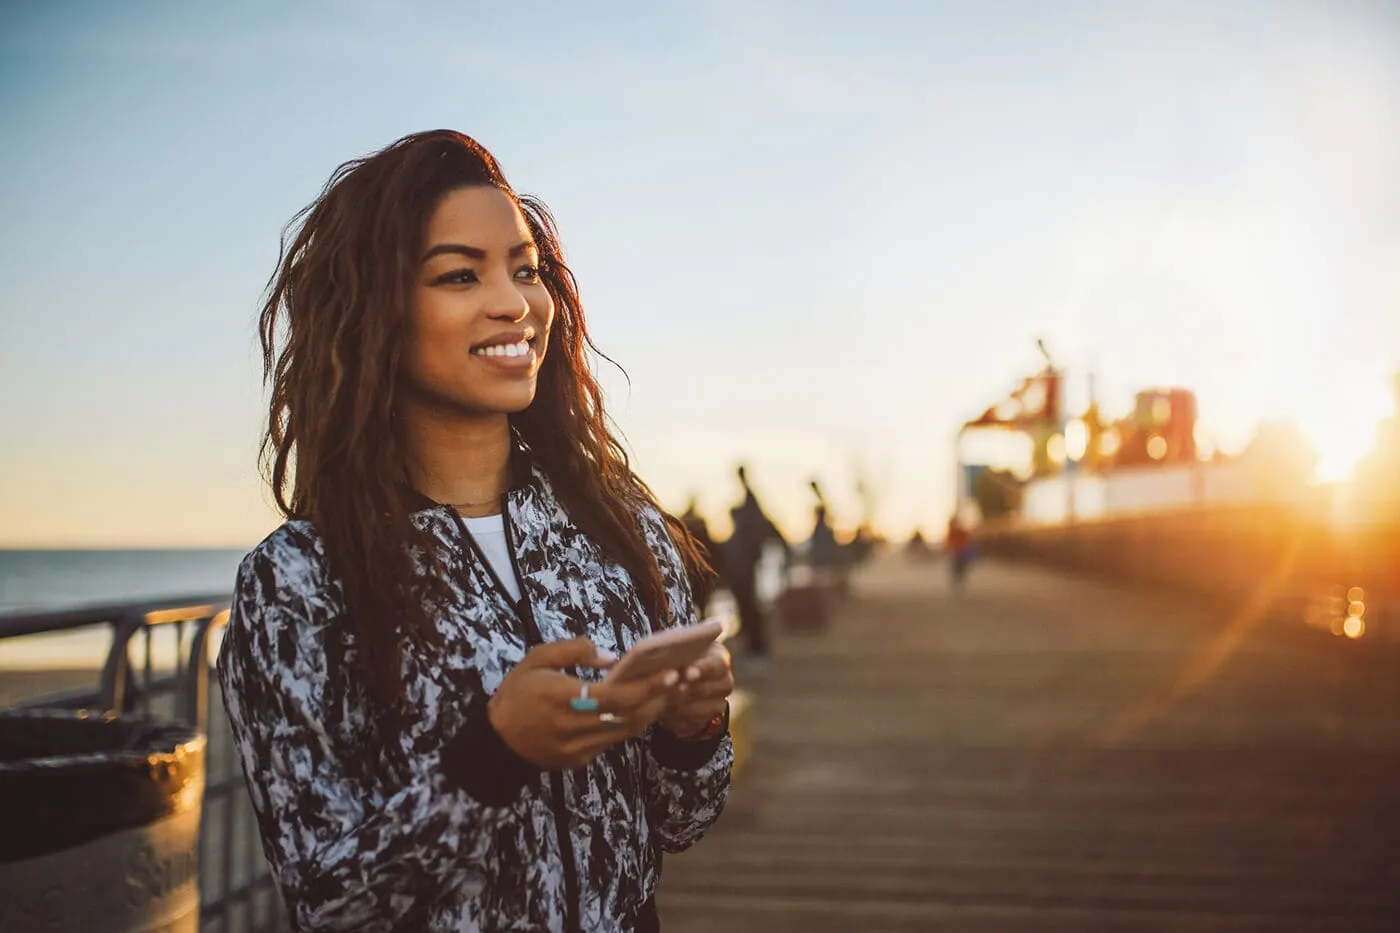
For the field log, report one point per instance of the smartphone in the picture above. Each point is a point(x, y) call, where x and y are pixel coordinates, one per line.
point(672, 649)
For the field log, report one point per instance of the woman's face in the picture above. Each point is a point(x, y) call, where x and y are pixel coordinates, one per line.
point(481, 313)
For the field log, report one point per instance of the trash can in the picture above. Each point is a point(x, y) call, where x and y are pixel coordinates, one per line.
point(99, 823)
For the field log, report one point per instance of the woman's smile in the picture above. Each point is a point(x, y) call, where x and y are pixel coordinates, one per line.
point(509, 353)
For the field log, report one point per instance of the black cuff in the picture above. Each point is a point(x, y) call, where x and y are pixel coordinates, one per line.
point(679, 755)
point(478, 761)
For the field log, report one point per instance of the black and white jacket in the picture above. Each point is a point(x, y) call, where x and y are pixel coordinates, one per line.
point(465, 835)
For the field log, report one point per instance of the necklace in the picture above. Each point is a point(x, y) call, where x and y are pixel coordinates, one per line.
point(473, 505)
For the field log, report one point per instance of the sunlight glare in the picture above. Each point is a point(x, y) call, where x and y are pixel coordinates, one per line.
point(1342, 425)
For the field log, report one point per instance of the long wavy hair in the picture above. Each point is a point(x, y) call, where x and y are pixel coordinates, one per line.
point(333, 330)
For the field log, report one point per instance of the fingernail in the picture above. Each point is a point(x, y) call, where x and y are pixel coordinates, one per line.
point(606, 656)
point(671, 678)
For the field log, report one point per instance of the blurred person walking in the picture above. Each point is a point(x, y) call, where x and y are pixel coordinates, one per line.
point(961, 551)
point(753, 530)
point(704, 580)
point(413, 662)
point(827, 556)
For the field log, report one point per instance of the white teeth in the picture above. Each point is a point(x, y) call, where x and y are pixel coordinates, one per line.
point(505, 349)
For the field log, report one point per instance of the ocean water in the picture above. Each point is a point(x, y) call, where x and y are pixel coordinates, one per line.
point(57, 579)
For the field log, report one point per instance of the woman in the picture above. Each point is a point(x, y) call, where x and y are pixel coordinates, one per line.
point(414, 661)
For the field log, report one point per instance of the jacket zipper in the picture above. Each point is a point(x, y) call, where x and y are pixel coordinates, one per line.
point(533, 636)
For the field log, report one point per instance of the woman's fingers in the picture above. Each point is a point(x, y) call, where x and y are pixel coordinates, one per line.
point(627, 708)
point(623, 709)
point(709, 678)
point(703, 692)
point(714, 665)
point(604, 735)
point(709, 682)
point(626, 696)
point(597, 735)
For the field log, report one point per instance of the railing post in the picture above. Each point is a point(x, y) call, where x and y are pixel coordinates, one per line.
point(116, 671)
point(194, 699)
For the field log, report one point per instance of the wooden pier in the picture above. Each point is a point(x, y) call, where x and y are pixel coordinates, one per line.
point(1044, 754)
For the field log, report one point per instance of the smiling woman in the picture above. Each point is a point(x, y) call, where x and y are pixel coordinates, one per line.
point(412, 662)
point(480, 288)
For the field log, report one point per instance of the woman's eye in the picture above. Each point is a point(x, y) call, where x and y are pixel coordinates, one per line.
point(528, 274)
point(459, 277)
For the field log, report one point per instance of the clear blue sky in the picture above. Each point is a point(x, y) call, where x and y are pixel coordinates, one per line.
point(814, 233)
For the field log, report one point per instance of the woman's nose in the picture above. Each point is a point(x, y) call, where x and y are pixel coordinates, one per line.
point(508, 303)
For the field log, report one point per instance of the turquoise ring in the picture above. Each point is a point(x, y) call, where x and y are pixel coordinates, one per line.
point(583, 703)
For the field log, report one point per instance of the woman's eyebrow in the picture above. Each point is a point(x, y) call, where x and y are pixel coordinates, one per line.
point(474, 252)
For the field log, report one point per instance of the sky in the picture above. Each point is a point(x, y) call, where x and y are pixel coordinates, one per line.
point(817, 235)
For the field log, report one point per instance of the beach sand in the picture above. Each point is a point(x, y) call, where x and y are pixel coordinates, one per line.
point(23, 685)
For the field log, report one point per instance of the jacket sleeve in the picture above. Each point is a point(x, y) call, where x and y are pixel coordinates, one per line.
point(348, 852)
point(687, 782)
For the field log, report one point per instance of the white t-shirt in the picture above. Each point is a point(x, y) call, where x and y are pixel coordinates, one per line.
point(490, 535)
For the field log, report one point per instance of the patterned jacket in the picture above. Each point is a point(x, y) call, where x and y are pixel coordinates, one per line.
point(461, 834)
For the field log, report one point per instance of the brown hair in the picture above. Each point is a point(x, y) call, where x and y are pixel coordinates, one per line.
point(333, 330)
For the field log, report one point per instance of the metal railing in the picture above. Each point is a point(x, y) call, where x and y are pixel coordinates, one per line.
point(237, 892)
point(1298, 563)
point(172, 680)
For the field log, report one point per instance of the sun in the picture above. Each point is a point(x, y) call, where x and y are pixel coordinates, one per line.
point(1344, 432)
point(1340, 448)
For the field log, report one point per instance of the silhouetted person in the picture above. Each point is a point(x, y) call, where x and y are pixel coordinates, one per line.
point(823, 548)
point(959, 552)
point(702, 585)
point(917, 548)
point(752, 530)
point(831, 559)
point(863, 545)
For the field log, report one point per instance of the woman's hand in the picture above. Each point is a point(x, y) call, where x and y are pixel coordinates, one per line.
point(531, 712)
point(704, 689)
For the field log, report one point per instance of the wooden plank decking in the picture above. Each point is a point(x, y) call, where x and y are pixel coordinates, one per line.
point(1050, 754)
